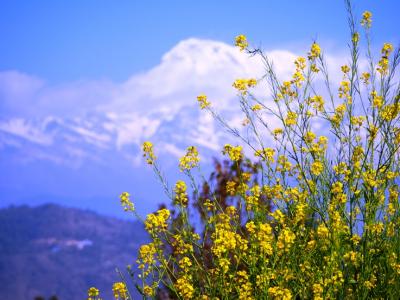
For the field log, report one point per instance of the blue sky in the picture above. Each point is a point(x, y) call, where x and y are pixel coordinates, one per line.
point(83, 83)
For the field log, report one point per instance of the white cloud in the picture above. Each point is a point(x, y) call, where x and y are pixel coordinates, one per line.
point(25, 130)
point(159, 104)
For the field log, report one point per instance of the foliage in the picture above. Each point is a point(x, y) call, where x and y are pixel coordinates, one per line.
point(317, 217)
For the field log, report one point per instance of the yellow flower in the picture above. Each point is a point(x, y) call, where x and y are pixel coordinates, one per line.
point(300, 63)
point(231, 187)
point(276, 132)
point(286, 239)
point(322, 231)
point(291, 118)
point(337, 187)
point(315, 51)
point(365, 76)
point(243, 84)
point(256, 107)
point(345, 69)
point(383, 65)
point(190, 159)
point(93, 293)
point(120, 291)
point(202, 99)
point(266, 154)
point(317, 167)
point(251, 227)
point(280, 293)
point(157, 221)
point(235, 153)
point(146, 255)
point(386, 49)
point(241, 42)
point(126, 202)
point(148, 152)
point(317, 102)
point(184, 287)
point(366, 19)
point(181, 197)
point(377, 101)
point(148, 291)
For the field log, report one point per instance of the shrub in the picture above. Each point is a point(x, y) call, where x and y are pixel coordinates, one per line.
point(316, 216)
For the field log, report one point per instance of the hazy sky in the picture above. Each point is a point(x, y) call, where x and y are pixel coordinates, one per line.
point(84, 83)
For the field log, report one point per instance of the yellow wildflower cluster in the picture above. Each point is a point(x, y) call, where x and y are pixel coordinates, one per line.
point(242, 85)
point(184, 287)
point(120, 291)
point(304, 220)
point(281, 293)
point(365, 76)
point(190, 159)
point(148, 152)
point(315, 51)
point(383, 63)
point(93, 294)
point(241, 42)
point(202, 99)
point(316, 168)
point(291, 118)
point(181, 197)
point(267, 154)
point(146, 256)
point(317, 102)
point(366, 20)
point(126, 202)
point(157, 221)
point(390, 111)
point(235, 153)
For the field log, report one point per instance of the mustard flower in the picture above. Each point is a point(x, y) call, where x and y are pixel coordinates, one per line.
point(181, 197)
point(315, 51)
point(242, 85)
point(291, 118)
point(93, 293)
point(190, 159)
point(366, 19)
point(241, 42)
point(126, 202)
point(235, 153)
point(157, 221)
point(120, 291)
point(365, 76)
point(202, 99)
point(148, 152)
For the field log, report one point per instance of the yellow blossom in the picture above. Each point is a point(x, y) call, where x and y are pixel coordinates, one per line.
point(202, 99)
point(184, 287)
point(126, 202)
point(365, 76)
point(190, 159)
point(120, 291)
point(181, 197)
point(241, 42)
point(93, 293)
point(148, 152)
point(242, 85)
point(366, 19)
point(235, 153)
point(317, 167)
point(157, 221)
point(291, 118)
point(315, 51)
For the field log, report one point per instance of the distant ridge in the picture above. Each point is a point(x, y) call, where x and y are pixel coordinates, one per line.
point(53, 250)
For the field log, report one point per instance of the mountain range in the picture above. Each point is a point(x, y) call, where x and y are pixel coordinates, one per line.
point(53, 250)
